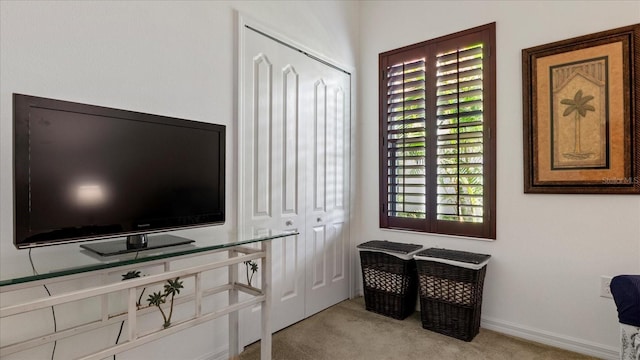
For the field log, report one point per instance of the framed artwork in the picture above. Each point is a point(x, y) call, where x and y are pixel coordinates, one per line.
point(581, 100)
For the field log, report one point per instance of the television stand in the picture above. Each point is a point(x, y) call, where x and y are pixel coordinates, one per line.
point(203, 259)
point(134, 243)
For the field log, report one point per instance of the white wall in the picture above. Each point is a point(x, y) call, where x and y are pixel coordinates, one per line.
point(169, 58)
point(178, 59)
point(543, 279)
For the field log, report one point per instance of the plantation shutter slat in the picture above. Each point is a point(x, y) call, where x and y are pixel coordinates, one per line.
point(460, 77)
point(398, 84)
point(469, 116)
point(455, 125)
point(462, 53)
point(407, 67)
point(406, 116)
point(462, 66)
point(460, 107)
point(405, 105)
point(449, 97)
point(470, 85)
point(398, 98)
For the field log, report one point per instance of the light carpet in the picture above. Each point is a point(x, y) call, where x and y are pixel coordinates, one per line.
point(348, 331)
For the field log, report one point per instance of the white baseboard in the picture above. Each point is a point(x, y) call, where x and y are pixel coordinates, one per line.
point(551, 339)
point(543, 337)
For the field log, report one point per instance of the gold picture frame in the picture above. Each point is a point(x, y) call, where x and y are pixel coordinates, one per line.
point(581, 102)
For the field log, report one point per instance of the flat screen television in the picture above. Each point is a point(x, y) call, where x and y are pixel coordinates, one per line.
point(85, 172)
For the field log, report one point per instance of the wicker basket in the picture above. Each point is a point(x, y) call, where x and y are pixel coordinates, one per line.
point(451, 296)
point(390, 280)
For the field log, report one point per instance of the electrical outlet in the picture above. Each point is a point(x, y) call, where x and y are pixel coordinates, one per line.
point(605, 286)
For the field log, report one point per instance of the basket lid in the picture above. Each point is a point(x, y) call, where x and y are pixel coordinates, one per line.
point(447, 255)
point(389, 246)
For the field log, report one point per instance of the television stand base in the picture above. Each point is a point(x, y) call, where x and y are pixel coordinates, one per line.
point(118, 247)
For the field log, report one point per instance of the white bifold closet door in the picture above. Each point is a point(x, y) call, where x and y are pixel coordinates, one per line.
point(294, 156)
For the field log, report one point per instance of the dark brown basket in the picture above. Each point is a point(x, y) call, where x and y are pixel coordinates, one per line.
point(450, 298)
point(390, 284)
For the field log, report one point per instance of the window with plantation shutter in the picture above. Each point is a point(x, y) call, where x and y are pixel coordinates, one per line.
point(437, 126)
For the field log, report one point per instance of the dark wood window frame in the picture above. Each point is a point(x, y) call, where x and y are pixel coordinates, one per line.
point(437, 150)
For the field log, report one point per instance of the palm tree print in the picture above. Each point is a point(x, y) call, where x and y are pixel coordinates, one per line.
point(252, 266)
point(172, 287)
point(578, 105)
point(157, 299)
point(132, 275)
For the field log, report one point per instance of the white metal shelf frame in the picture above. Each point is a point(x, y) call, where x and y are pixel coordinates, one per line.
point(236, 255)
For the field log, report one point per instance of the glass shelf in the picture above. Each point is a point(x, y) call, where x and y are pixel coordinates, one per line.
point(70, 259)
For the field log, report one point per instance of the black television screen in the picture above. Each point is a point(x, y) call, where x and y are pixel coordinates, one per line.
point(85, 172)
